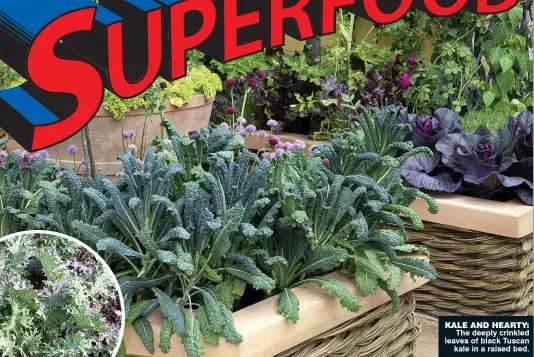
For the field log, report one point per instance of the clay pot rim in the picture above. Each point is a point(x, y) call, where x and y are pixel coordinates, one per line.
point(195, 102)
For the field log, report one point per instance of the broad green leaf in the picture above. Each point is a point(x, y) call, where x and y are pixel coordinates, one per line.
point(210, 337)
point(144, 330)
point(165, 334)
point(506, 81)
point(171, 311)
point(252, 275)
point(414, 266)
point(122, 350)
point(507, 62)
point(135, 310)
point(288, 305)
point(335, 288)
point(192, 338)
point(229, 332)
point(114, 246)
point(489, 98)
point(185, 263)
point(324, 258)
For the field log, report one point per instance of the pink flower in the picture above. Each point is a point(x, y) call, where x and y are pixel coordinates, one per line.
point(231, 111)
point(265, 155)
point(132, 148)
point(262, 134)
point(299, 144)
point(272, 123)
point(273, 141)
point(312, 150)
point(140, 163)
point(326, 163)
point(229, 83)
point(405, 80)
point(244, 132)
point(3, 154)
point(250, 128)
point(260, 74)
point(252, 83)
point(224, 125)
point(128, 134)
point(191, 133)
point(412, 61)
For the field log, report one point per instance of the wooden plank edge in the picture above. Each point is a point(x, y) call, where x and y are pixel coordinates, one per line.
point(266, 332)
point(512, 219)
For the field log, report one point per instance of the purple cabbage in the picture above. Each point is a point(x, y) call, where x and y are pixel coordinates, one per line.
point(483, 164)
point(428, 129)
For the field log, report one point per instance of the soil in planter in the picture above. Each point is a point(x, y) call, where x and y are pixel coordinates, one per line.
point(250, 297)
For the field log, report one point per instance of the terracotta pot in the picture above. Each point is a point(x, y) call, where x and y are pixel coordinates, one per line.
point(106, 132)
point(482, 251)
point(266, 333)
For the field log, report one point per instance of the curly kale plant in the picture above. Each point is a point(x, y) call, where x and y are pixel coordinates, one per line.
point(323, 221)
point(21, 180)
point(56, 300)
point(173, 255)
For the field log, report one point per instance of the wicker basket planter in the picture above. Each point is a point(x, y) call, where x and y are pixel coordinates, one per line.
point(106, 132)
point(482, 251)
point(324, 329)
point(3, 135)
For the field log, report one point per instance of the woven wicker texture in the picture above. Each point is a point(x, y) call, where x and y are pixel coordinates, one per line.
point(3, 135)
point(377, 333)
point(478, 273)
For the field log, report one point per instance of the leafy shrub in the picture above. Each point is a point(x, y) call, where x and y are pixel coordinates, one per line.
point(55, 300)
point(179, 92)
point(490, 118)
point(201, 227)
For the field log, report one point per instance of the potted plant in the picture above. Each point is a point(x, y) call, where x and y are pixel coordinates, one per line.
point(481, 240)
point(185, 102)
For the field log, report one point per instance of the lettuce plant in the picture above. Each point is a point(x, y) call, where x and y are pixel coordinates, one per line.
point(55, 300)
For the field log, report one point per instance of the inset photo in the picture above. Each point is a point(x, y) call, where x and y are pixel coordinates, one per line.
point(58, 298)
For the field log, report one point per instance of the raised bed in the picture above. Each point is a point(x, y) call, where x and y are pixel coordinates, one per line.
point(106, 132)
point(325, 328)
point(254, 142)
point(482, 251)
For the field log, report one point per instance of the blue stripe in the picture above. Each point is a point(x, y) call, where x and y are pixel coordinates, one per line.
point(28, 106)
point(106, 17)
point(34, 15)
point(145, 5)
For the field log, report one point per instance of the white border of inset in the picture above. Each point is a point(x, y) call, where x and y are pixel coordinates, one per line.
point(100, 260)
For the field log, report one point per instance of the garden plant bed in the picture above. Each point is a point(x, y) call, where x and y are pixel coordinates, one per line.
point(254, 142)
point(107, 132)
point(482, 251)
point(322, 321)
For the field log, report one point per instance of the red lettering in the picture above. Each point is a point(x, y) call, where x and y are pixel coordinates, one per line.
point(232, 23)
point(119, 84)
point(329, 14)
point(180, 43)
point(437, 9)
point(381, 17)
point(296, 12)
point(56, 75)
point(484, 8)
